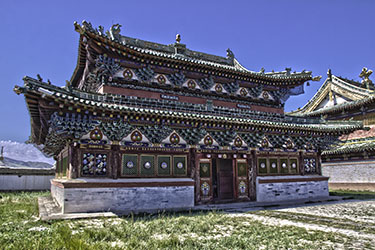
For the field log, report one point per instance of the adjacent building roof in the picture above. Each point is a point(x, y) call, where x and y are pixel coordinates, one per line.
point(335, 95)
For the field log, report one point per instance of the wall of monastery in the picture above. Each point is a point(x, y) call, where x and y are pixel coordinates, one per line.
point(284, 188)
point(25, 179)
point(355, 175)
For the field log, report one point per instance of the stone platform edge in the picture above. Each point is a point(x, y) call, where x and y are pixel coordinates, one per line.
point(263, 180)
point(77, 183)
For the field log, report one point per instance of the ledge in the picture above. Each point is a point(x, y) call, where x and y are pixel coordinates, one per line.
point(115, 183)
point(283, 179)
point(26, 171)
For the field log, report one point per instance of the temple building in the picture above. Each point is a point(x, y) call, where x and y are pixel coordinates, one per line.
point(350, 161)
point(143, 126)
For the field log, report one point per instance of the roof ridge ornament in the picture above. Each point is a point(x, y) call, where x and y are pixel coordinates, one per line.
point(365, 74)
point(178, 38)
point(114, 32)
point(316, 78)
point(329, 74)
point(230, 54)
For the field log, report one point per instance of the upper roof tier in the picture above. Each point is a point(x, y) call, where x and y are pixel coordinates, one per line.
point(175, 56)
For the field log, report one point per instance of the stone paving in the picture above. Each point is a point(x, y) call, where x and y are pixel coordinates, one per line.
point(353, 219)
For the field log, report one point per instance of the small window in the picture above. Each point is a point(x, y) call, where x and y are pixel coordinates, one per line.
point(262, 166)
point(284, 168)
point(310, 165)
point(164, 165)
point(242, 169)
point(273, 166)
point(147, 165)
point(129, 165)
point(93, 164)
point(205, 169)
point(179, 165)
point(293, 166)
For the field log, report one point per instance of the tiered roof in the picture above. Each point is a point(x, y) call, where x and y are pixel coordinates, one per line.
point(233, 103)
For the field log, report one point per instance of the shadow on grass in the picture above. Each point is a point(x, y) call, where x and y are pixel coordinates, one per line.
point(351, 194)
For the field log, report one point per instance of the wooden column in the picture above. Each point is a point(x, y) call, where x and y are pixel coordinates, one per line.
point(319, 163)
point(115, 161)
point(192, 163)
point(301, 166)
point(74, 161)
point(252, 164)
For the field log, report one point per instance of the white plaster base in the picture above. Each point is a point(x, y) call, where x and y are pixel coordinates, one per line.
point(123, 200)
point(25, 182)
point(293, 190)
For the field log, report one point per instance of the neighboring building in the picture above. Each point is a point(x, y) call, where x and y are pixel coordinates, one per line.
point(349, 162)
point(143, 126)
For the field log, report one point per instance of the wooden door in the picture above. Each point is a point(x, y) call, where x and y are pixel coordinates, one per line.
point(225, 174)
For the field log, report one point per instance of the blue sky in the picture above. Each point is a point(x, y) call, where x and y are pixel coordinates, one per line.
point(39, 37)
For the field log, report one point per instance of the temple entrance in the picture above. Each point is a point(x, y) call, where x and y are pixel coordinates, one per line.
point(224, 179)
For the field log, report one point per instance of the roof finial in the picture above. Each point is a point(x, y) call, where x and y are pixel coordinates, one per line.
point(178, 38)
point(329, 74)
point(365, 74)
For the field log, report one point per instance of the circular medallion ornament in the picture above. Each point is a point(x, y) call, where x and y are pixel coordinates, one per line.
point(238, 142)
point(294, 165)
point(147, 165)
point(265, 95)
point(205, 188)
point(129, 164)
point(136, 136)
point(161, 79)
point(96, 134)
point(273, 165)
point(263, 165)
point(174, 138)
point(218, 88)
point(191, 84)
point(283, 165)
point(180, 165)
point(128, 74)
point(243, 92)
point(208, 140)
point(242, 187)
point(164, 165)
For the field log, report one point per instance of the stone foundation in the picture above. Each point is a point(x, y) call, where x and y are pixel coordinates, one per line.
point(283, 188)
point(123, 196)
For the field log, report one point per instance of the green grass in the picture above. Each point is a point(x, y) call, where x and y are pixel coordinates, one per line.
point(360, 195)
point(21, 229)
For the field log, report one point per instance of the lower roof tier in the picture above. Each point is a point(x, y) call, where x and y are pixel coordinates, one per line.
point(59, 115)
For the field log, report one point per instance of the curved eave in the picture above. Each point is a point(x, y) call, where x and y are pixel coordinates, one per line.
point(341, 107)
point(364, 147)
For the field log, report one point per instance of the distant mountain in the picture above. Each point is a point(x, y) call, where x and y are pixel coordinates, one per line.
point(8, 162)
point(24, 153)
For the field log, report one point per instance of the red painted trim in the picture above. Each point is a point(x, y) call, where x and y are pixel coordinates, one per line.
point(187, 99)
point(323, 178)
point(120, 184)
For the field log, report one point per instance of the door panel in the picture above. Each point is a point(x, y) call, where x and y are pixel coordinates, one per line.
point(225, 174)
